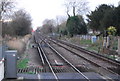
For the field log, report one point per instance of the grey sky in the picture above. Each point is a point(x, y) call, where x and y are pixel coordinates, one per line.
point(49, 9)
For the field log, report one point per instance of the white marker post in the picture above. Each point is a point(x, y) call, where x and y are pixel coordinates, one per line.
point(1, 69)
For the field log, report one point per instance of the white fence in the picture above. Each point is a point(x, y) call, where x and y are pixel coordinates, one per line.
point(1, 70)
point(88, 37)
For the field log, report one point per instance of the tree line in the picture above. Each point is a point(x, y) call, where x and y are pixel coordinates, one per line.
point(14, 23)
point(103, 17)
point(100, 20)
point(74, 24)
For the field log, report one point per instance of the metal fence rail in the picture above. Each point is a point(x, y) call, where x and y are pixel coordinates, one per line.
point(1, 56)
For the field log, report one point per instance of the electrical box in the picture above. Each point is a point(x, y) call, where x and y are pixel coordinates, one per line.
point(11, 64)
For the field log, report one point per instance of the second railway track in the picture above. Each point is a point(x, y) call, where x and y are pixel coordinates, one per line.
point(93, 58)
point(60, 57)
point(57, 56)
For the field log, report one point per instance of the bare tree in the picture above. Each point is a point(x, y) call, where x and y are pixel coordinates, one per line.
point(48, 26)
point(51, 22)
point(6, 9)
point(76, 6)
point(21, 23)
point(60, 19)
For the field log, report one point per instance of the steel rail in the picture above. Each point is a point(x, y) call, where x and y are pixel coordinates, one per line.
point(56, 77)
point(67, 61)
point(90, 52)
point(73, 65)
point(95, 55)
point(85, 58)
point(89, 61)
point(39, 51)
point(40, 54)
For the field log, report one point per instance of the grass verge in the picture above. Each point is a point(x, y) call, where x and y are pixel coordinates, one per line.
point(23, 63)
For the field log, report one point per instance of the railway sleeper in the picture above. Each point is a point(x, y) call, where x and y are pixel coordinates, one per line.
point(116, 70)
point(36, 70)
point(84, 69)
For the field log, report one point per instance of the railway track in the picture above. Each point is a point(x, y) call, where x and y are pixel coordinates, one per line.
point(100, 60)
point(53, 61)
point(74, 67)
point(92, 57)
point(64, 61)
point(90, 52)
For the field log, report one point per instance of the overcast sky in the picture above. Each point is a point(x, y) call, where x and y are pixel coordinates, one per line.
point(49, 9)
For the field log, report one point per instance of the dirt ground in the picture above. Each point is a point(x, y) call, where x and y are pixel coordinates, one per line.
point(18, 44)
point(32, 54)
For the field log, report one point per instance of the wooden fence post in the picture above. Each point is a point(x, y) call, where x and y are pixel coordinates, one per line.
point(119, 45)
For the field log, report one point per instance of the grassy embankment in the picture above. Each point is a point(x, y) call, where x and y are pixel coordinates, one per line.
point(87, 44)
point(19, 44)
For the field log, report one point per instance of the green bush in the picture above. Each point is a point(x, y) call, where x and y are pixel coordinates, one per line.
point(75, 26)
